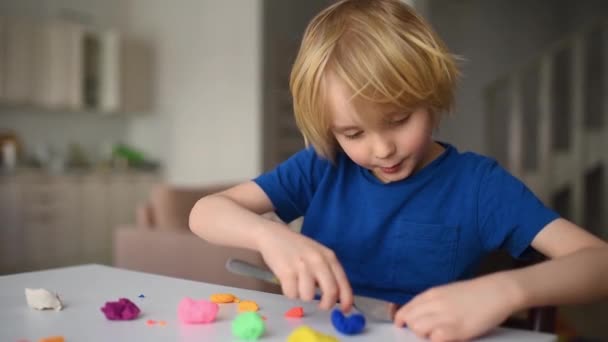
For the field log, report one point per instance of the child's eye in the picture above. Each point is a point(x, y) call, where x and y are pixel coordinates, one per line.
point(399, 121)
point(353, 135)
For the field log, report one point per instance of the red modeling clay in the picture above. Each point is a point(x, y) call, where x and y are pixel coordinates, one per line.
point(295, 312)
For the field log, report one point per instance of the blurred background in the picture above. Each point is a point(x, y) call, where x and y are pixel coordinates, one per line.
point(116, 115)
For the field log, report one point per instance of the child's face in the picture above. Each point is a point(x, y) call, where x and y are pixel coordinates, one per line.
point(393, 144)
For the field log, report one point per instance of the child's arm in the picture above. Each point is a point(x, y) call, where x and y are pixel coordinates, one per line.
point(577, 272)
point(233, 218)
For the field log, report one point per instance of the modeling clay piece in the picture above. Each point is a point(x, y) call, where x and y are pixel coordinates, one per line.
point(123, 310)
point(190, 311)
point(52, 339)
point(350, 325)
point(307, 334)
point(141, 296)
point(41, 299)
point(150, 322)
point(295, 312)
point(248, 305)
point(162, 323)
point(248, 326)
point(221, 298)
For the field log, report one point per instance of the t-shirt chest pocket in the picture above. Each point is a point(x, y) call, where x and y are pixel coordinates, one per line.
point(410, 257)
point(422, 255)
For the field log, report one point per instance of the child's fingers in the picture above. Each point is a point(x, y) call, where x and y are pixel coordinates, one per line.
point(392, 310)
point(399, 318)
point(327, 284)
point(416, 302)
point(344, 290)
point(306, 284)
point(413, 312)
point(424, 325)
point(289, 284)
point(439, 334)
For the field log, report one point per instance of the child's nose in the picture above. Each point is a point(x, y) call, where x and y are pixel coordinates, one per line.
point(383, 148)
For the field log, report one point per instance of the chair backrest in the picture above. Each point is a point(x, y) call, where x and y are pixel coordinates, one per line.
point(169, 206)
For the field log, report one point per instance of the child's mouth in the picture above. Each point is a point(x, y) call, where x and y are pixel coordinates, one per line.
point(392, 169)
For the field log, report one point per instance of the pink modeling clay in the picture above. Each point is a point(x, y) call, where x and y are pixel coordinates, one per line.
point(123, 310)
point(191, 311)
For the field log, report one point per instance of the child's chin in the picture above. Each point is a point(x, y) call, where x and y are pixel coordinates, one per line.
point(391, 177)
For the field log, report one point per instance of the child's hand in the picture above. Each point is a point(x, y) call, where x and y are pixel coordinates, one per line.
point(458, 311)
point(301, 264)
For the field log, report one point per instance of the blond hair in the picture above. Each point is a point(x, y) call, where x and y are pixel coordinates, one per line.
point(382, 50)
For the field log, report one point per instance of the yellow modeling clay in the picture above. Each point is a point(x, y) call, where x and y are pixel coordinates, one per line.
point(307, 334)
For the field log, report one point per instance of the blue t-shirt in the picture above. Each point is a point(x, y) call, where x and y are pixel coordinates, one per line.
point(398, 239)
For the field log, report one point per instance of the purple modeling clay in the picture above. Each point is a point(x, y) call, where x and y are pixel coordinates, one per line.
point(123, 310)
point(350, 325)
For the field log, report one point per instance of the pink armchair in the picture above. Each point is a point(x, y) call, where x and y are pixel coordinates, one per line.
point(160, 242)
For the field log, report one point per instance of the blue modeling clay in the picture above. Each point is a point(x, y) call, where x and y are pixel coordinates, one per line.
point(350, 325)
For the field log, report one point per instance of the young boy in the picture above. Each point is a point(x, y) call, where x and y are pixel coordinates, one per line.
point(389, 212)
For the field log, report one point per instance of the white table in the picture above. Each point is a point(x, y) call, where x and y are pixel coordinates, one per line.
point(84, 289)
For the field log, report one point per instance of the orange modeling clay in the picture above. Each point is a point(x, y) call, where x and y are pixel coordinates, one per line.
point(295, 312)
point(248, 305)
point(223, 298)
point(52, 339)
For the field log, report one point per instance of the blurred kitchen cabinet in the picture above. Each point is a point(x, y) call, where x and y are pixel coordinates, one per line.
point(62, 220)
point(101, 71)
point(95, 221)
point(2, 57)
point(142, 186)
point(18, 50)
point(108, 201)
point(56, 64)
point(109, 72)
point(11, 233)
point(51, 226)
point(138, 66)
point(38, 219)
point(68, 222)
point(120, 193)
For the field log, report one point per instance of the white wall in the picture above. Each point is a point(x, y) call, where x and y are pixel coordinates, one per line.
point(207, 127)
point(99, 13)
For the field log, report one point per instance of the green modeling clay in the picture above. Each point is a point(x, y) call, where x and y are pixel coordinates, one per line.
point(248, 326)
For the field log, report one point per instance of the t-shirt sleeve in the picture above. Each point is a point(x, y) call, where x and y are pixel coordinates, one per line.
point(509, 214)
point(291, 185)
